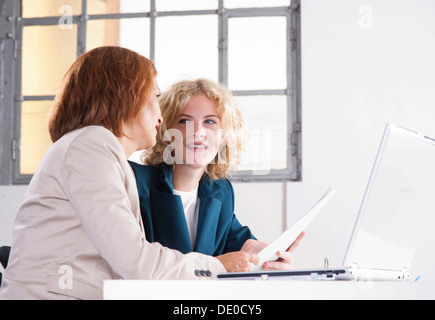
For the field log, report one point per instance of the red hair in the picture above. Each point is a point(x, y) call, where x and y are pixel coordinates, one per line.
point(105, 86)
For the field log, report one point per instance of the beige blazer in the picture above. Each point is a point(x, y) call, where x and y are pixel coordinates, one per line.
point(80, 224)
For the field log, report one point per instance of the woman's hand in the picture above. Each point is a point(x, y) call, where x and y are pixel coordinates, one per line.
point(239, 261)
point(285, 258)
point(253, 246)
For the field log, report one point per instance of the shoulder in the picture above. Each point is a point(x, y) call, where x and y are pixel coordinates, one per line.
point(91, 139)
point(96, 144)
point(89, 133)
point(219, 188)
point(147, 176)
point(93, 150)
point(225, 185)
point(144, 170)
point(88, 143)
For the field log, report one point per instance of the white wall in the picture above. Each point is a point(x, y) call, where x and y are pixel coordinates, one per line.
point(358, 74)
point(354, 80)
point(10, 200)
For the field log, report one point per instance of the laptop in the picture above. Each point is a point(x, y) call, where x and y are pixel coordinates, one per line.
point(393, 222)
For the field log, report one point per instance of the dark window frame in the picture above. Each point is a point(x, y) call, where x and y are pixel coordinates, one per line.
point(10, 76)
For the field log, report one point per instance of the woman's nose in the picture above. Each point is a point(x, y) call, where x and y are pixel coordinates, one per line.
point(199, 131)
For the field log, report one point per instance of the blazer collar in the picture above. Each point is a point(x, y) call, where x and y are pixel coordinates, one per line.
point(169, 220)
point(209, 211)
point(206, 189)
point(208, 220)
point(166, 184)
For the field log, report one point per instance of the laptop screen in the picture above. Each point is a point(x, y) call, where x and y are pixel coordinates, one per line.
point(397, 215)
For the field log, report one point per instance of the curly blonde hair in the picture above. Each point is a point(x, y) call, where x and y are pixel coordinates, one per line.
point(173, 101)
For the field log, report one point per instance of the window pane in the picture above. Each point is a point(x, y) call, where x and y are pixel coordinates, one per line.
point(267, 122)
point(186, 48)
point(51, 8)
point(35, 139)
point(117, 6)
point(48, 52)
point(133, 34)
point(255, 3)
point(177, 5)
point(257, 53)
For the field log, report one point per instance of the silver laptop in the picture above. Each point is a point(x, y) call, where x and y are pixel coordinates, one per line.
point(394, 220)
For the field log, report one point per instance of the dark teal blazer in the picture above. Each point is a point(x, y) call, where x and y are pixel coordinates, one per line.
point(218, 230)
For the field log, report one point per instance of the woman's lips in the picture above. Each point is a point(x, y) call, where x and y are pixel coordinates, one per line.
point(197, 147)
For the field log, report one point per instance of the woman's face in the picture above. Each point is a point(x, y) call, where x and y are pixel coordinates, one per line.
point(143, 130)
point(200, 127)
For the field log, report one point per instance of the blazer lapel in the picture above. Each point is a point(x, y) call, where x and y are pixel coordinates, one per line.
point(170, 226)
point(208, 219)
point(167, 211)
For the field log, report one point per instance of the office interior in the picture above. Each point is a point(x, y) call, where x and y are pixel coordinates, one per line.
point(363, 64)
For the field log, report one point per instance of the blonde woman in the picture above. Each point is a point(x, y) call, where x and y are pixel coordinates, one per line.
point(187, 202)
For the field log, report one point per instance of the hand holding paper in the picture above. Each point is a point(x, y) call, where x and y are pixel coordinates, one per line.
point(288, 237)
point(285, 258)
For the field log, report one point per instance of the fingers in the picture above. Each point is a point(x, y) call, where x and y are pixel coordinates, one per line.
point(295, 243)
point(243, 262)
point(254, 258)
point(283, 263)
point(246, 259)
point(253, 246)
point(238, 261)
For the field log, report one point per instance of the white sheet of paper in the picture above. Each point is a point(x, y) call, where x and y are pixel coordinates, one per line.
point(284, 241)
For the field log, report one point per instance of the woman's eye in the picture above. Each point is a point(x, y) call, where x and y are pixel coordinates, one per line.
point(183, 121)
point(209, 121)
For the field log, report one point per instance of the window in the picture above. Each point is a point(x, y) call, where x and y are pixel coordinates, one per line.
point(250, 46)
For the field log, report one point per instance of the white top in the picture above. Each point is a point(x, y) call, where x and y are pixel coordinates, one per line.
point(190, 202)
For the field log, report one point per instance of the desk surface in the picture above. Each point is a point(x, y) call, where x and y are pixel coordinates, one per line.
point(265, 290)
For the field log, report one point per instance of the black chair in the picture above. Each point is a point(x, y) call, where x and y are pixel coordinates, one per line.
point(4, 258)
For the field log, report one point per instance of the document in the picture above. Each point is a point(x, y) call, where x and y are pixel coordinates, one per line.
point(283, 242)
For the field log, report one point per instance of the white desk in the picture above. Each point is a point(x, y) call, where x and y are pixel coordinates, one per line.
point(265, 290)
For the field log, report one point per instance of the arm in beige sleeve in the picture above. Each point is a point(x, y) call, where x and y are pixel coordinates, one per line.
point(100, 190)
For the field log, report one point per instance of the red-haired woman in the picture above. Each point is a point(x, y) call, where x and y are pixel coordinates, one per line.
point(80, 222)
